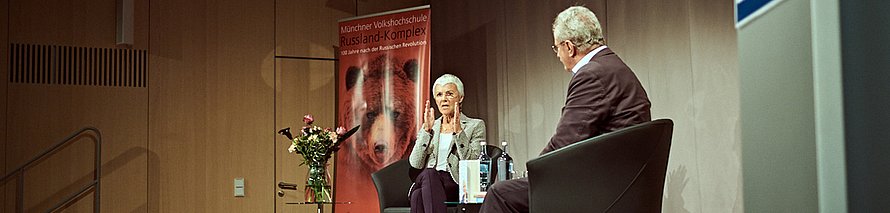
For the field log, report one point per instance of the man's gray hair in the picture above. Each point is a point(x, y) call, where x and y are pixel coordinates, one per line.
point(579, 25)
point(449, 79)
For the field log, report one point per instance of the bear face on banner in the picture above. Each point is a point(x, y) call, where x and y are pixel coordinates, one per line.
point(381, 96)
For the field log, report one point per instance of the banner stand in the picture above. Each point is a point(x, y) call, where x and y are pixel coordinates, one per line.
point(382, 85)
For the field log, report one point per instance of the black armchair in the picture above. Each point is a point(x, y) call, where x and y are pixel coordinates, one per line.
point(621, 171)
point(394, 181)
point(392, 184)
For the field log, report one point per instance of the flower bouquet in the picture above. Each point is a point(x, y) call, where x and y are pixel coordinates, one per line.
point(316, 145)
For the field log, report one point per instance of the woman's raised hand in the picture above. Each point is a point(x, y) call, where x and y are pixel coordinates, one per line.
point(428, 117)
point(455, 119)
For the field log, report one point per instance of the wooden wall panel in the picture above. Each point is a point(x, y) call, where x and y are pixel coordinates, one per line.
point(716, 105)
point(141, 24)
point(240, 105)
point(85, 205)
point(83, 23)
point(177, 118)
point(4, 78)
point(301, 87)
point(309, 28)
point(177, 107)
point(41, 115)
point(211, 106)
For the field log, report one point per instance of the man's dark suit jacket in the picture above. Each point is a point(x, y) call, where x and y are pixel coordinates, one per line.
point(604, 96)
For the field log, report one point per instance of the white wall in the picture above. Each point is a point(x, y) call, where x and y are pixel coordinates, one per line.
point(777, 111)
point(828, 97)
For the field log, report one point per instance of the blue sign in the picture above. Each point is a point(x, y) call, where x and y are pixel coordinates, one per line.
point(746, 10)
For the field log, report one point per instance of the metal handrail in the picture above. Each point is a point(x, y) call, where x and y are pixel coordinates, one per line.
point(94, 185)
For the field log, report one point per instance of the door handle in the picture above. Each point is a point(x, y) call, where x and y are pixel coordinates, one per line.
point(285, 186)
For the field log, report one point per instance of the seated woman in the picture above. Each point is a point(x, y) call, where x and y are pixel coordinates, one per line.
point(441, 144)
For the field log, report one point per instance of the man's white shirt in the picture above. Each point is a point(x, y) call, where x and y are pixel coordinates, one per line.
point(587, 59)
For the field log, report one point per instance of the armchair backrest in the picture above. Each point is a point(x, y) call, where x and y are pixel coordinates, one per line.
point(392, 184)
point(620, 171)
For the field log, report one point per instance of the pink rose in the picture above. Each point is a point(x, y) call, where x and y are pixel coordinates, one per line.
point(341, 130)
point(308, 119)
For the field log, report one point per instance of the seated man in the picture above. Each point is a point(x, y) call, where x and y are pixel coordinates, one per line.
point(604, 95)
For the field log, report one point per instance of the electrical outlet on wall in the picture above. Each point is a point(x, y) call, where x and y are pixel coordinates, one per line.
point(239, 187)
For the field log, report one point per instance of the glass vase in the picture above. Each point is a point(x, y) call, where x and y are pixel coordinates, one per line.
point(318, 188)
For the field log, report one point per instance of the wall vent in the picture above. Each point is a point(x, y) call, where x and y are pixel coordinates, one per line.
point(69, 65)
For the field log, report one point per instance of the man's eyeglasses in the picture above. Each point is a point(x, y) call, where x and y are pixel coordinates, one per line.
point(555, 48)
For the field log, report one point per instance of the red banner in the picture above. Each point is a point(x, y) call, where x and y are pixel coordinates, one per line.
point(383, 78)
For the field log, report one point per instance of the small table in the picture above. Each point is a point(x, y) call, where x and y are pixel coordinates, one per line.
point(319, 205)
point(465, 207)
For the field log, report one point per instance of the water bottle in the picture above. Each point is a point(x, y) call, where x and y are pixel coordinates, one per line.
point(484, 167)
point(505, 164)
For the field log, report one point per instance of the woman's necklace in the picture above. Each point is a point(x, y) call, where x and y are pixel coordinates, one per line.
point(446, 127)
